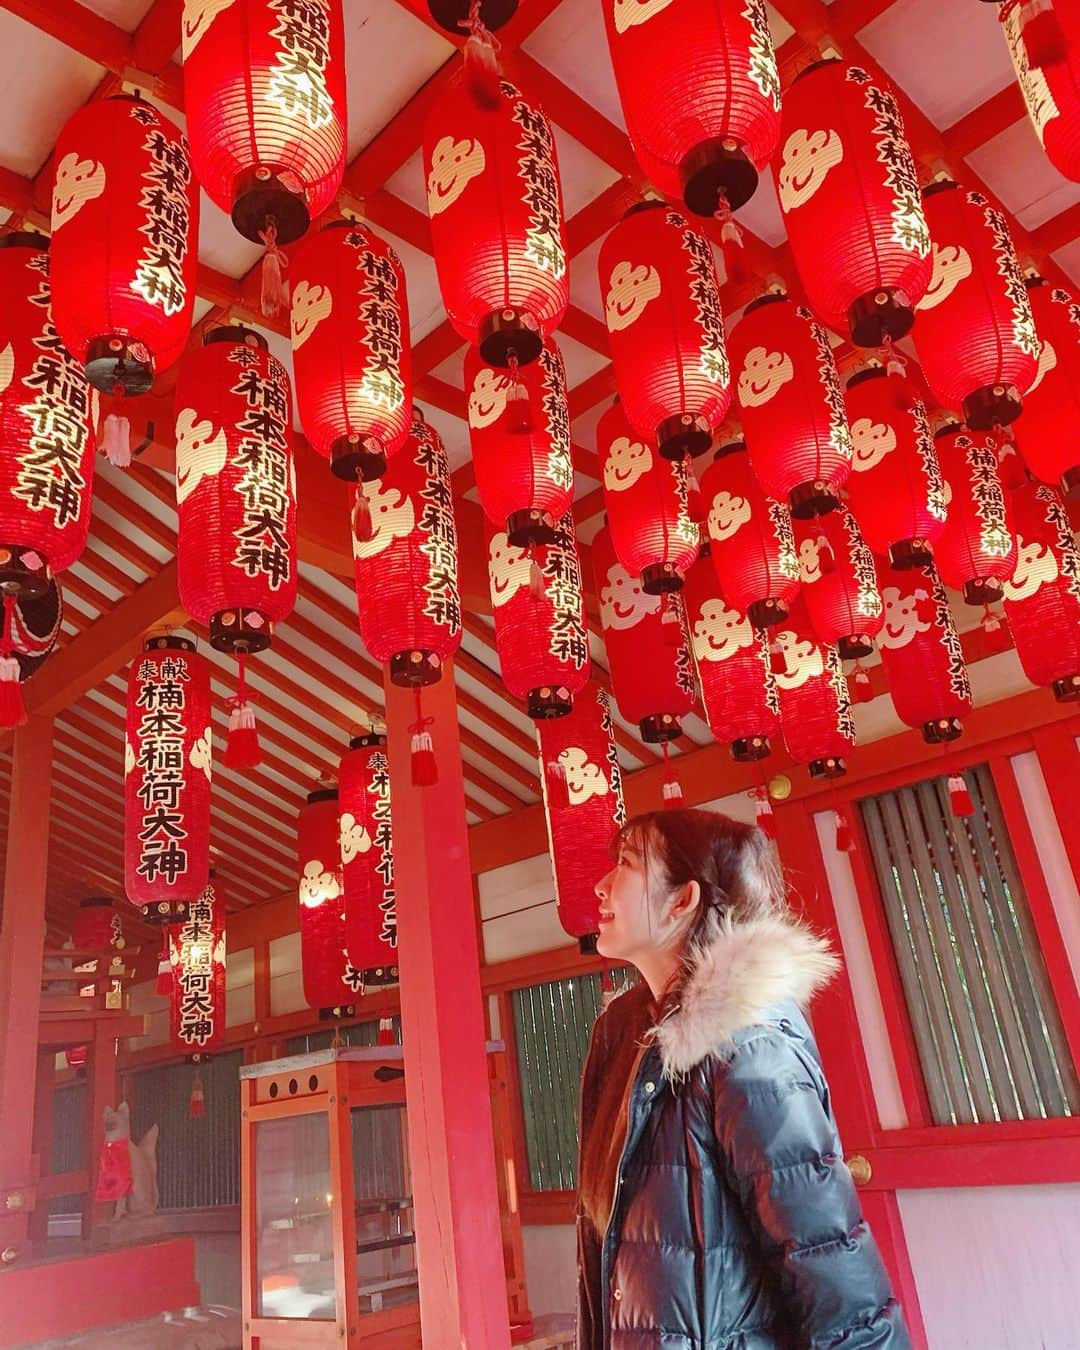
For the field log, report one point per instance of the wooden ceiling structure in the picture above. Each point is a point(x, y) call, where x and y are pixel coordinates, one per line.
point(318, 684)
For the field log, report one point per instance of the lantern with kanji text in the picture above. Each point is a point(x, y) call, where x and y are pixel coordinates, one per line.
point(815, 707)
point(197, 958)
point(976, 553)
point(839, 583)
point(367, 860)
point(1049, 432)
point(1044, 43)
point(97, 928)
point(329, 982)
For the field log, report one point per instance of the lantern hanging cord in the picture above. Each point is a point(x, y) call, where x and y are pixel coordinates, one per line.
point(274, 295)
point(243, 696)
point(7, 637)
point(422, 723)
point(474, 25)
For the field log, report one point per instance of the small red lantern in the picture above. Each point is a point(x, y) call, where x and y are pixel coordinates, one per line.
point(352, 357)
point(497, 231)
point(861, 246)
point(321, 895)
point(895, 489)
point(168, 757)
point(815, 707)
point(732, 657)
point(839, 584)
point(1044, 43)
point(921, 652)
point(975, 553)
point(701, 95)
point(976, 337)
point(519, 429)
point(197, 956)
point(1042, 597)
point(583, 807)
point(752, 542)
point(648, 505)
point(652, 675)
point(264, 92)
point(539, 613)
point(791, 404)
point(1049, 434)
point(367, 860)
point(125, 228)
point(666, 328)
point(97, 928)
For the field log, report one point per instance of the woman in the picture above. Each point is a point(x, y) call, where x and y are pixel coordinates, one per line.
point(716, 1212)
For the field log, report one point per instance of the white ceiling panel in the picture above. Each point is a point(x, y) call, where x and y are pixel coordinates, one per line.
point(1016, 168)
point(572, 44)
point(761, 214)
point(126, 14)
point(583, 174)
point(1068, 259)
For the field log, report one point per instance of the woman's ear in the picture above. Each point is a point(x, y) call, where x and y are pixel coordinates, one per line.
point(685, 900)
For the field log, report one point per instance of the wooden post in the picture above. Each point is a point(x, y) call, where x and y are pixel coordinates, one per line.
point(102, 1080)
point(44, 1100)
point(452, 1155)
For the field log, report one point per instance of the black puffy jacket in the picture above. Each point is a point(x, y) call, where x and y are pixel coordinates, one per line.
point(735, 1225)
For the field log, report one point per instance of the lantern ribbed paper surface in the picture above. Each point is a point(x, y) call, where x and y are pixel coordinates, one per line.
point(352, 358)
point(648, 505)
point(322, 903)
point(168, 756)
point(519, 430)
point(197, 957)
point(497, 230)
point(583, 807)
point(791, 404)
point(1049, 432)
point(367, 860)
point(701, 95)
point(976, 552)
point(406, 565)
point(1051, 90)
point(839, 583)
point(98, 927)
point(976, 337)
point(732, 658)
point(849, 193)
point(665, 328)
point(652, 673)
point(895, 489)
point(125, 229)
point(264, 93)
point(815, 708)
point(235, 489)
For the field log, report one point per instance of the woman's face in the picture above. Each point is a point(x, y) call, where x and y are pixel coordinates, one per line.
point(629, 928)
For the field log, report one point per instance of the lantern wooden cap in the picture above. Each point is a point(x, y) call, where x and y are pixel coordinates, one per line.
point(323, 794)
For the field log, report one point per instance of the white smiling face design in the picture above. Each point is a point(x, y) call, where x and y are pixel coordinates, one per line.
point(1047, 362)
point(872, 441)
point(623, 603)
point(392, 517)
point(355, 839)
point(310, 305)
point(627, 460)
point(318, 884)
point(808, 157)
point(763, 374)
point(632, 13)
point(809, 562)
point(721, 632)
point(508, 569)
point(727, 514)
point(801, 659)
point(200, 452)
point(78, 181)
point(454, 164)
point(202, 752)
point(487, 400)
point(629, 290)
point(902, 621)
point(198, 16)
point(951, 265)
point(1035, 565)
point(7, 366)
point(583, 778)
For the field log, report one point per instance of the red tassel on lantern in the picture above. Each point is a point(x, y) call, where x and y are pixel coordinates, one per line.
point(197, 1100)
point(242, 746)
point(116, 441)
point(558, 795)
point(425, 771)
point(386, 1032)
point(12, 706)
point(995, 630)
point(607, 987)
point(164, 983)
point(862, 686)
point(672, 788)
point(959, 796)
point(845, 842)
point(764, 816)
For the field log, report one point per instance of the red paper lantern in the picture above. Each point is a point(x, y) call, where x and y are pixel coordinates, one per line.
point(321, 894)
point(583, 807)
point(652, 675)
point(666, 328)
point(815, 707)
point(168, 757)
point(1044, 43)
point(406, 564)
point(264, 93)
point(752, 542)
point(1049, 433)
point(653, 532)
point(975, 553)
point(1042, 597)
point(839, 584)
point(895, 489)
point(921, 652)
point(700, 93)
point(732, 658)
point(352, 357)
point(497, 231)
point(367, 860)
point(861, 246)
point(125, 228)
point(97, 928)
point(539, 613)
point(197, 956)
point(976, 337)
point(519, 429)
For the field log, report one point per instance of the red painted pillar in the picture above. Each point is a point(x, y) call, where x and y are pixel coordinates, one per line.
point(459, 1244)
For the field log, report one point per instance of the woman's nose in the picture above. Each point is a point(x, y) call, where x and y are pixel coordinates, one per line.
point(603, 887)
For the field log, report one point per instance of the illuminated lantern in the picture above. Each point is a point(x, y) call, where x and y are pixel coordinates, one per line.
point(125, 228)
point(975, 553)
point(920, 650)
point(264, 93)
point(367, 860)
point(652, 675)
point(539, 612)
point(497, 232)
point(839, 584)
point(976, 337)
point(849, 193)
point(1042, 597)
point(1044, 43)
point(168, 757)
point(815, 708)
point(665, 328)
point(895, 489)
point(97, 928)
point(700, 93)
point(752, 542)
point(352, 358)
point(583, 807)
point(732, 658)
point(321, 895)
point(791, 404)
point(1049, 433)
point(648, 505)
point(197, 957)
point(31, 628)
point(519, 429)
